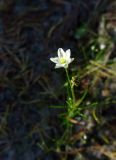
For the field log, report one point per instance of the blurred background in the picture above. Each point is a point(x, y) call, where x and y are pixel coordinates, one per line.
point(31, 31)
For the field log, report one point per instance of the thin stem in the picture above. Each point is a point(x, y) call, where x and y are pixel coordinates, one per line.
point(71, 88)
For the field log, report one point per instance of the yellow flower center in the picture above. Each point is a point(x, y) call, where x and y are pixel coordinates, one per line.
point(62, 60)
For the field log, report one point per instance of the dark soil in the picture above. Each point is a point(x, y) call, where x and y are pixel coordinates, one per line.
point(31, 31)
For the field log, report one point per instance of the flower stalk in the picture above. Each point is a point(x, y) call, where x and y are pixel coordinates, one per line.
point(70, 86)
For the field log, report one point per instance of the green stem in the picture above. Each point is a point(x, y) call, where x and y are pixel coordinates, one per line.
point(71, 88)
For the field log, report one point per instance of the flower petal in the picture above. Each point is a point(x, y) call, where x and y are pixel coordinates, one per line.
point(66, 65)
point(55, 59)
point(58, 66)
point(61, 65)
point(72, 59)
point(61, 53)
point(68, 53)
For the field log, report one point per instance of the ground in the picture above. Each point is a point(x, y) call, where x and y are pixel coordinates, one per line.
point(30, 33)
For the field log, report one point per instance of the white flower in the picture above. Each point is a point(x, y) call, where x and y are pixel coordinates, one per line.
point(63, 59)
point(93, 48)
point(102, 46)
